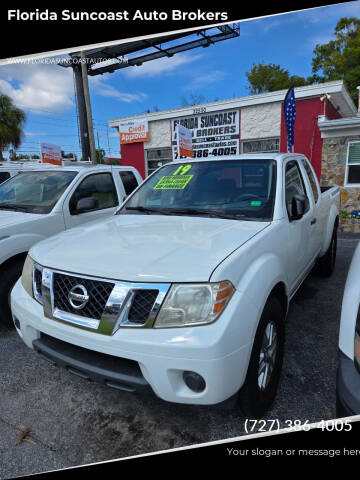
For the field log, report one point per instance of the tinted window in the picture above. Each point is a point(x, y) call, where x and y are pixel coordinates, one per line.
point(294, 184)
point(4, 176)
point(99, 186)
point(354, 174)
point(311, 179)
point(129, 181)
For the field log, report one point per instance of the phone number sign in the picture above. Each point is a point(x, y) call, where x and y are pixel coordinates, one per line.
point(213, 134)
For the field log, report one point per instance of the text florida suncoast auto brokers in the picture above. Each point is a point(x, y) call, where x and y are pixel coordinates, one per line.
point(70, 15)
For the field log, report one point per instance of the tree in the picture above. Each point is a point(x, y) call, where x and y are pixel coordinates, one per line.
point(268, 78)
point(113, 161)
point(100, 155)
point(340, 58)
point(12, 120)
point(193, 100)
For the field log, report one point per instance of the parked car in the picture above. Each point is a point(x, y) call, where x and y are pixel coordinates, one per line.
point(9, 169)
point(185, 290)
point(348, 374)
point(39, 202)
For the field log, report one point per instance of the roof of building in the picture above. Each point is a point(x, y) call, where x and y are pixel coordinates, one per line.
point(340, 99)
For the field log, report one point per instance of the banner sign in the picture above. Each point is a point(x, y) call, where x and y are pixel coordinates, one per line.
point(213, 134)
point(51, 153)
point(133, 131)
point(184, 141)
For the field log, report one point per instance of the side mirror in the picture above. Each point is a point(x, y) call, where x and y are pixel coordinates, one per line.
point(299, 205)
point(86, 204)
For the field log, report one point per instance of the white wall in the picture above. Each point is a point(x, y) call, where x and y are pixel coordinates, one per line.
point(260, 121)
point(160, 134)
point(256, 121)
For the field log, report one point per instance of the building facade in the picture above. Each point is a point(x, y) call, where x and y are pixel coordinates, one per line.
point(240, 125)
point(340, 165)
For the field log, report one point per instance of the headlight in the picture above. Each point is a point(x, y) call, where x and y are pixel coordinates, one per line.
point(27, 276)
point(194, 304)
point(357, 341)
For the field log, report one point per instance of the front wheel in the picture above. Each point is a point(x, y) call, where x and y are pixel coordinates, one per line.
point(263, 375)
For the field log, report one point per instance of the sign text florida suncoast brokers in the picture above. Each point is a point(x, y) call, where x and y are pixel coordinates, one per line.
point(213, 134)
point(124, 15)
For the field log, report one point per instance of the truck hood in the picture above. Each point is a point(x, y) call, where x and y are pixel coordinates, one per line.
point(145, 248)
point(9, 218)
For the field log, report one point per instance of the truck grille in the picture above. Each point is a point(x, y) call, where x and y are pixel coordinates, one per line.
point(142, 305)
point(98, 304)
point(98, 291)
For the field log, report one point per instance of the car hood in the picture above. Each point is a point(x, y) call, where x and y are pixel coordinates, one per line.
point(143, 248)
point(8, 218)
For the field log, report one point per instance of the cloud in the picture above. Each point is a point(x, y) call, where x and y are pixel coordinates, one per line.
point(205, 80)
point(161, 66)
point(101, 87)
point(38, 87)
point(35, 134)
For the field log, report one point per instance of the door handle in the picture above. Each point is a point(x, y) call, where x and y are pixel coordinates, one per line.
point(313, 221)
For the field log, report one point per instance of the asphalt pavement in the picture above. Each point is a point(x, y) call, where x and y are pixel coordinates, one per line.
point(50, 419)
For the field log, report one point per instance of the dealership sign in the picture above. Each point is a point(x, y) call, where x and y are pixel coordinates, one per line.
point(50, 153)
point(133, 131)
point(184, 141)
point(213, 134)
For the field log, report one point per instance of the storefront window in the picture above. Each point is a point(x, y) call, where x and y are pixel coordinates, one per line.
point(264, 145)
point(353, 164)
point(155, 158)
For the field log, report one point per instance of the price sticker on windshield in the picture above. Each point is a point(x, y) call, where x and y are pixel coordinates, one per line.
point(177, 181)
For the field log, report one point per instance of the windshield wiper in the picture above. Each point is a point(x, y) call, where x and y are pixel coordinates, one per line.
point(199, 211)
point(16, 208)
point(149, 211)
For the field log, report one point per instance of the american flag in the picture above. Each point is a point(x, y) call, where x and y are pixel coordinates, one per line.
point(290, 115)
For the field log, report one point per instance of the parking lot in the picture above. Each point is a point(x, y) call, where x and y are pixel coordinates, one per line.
point(50, 419)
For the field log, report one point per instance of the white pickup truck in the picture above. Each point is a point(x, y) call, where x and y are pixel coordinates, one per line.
point(186, 289)
point(41, 201)
point(10, 169)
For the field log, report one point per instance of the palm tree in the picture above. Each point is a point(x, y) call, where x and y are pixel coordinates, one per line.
point(12, 120)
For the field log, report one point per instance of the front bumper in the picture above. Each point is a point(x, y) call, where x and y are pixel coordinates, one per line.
point(218, 352)
point(347, 388)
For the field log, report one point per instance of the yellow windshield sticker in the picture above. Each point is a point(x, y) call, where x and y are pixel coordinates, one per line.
point(173, 182)
point(177, 181)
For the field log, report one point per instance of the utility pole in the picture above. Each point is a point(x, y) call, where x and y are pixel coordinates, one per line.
point(88, 108)
point(83, 125)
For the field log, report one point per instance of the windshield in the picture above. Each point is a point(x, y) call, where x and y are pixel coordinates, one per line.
point(34, 192)
point(235, 189)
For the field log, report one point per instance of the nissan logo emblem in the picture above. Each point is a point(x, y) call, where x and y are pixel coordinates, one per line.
point(78, 297)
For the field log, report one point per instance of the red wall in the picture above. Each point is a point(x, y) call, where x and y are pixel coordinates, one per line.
point(307, 134)
point(133, 154)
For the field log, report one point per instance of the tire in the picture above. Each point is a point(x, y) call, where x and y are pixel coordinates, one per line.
point(8, 279)
point(259, 390)
point(326, 263)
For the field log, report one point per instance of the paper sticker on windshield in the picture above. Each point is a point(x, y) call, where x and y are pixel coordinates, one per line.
point(177, 181)
point(173, 182)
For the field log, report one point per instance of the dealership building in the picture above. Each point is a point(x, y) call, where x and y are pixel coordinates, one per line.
point(327, 131)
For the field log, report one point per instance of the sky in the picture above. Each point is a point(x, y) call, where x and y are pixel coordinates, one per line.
point(45, 91)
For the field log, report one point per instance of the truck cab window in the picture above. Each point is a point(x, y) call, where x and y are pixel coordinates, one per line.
point(4, 176)
point(312, 181)
point(294, 184)
point(99, 186)
point(129, 181)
